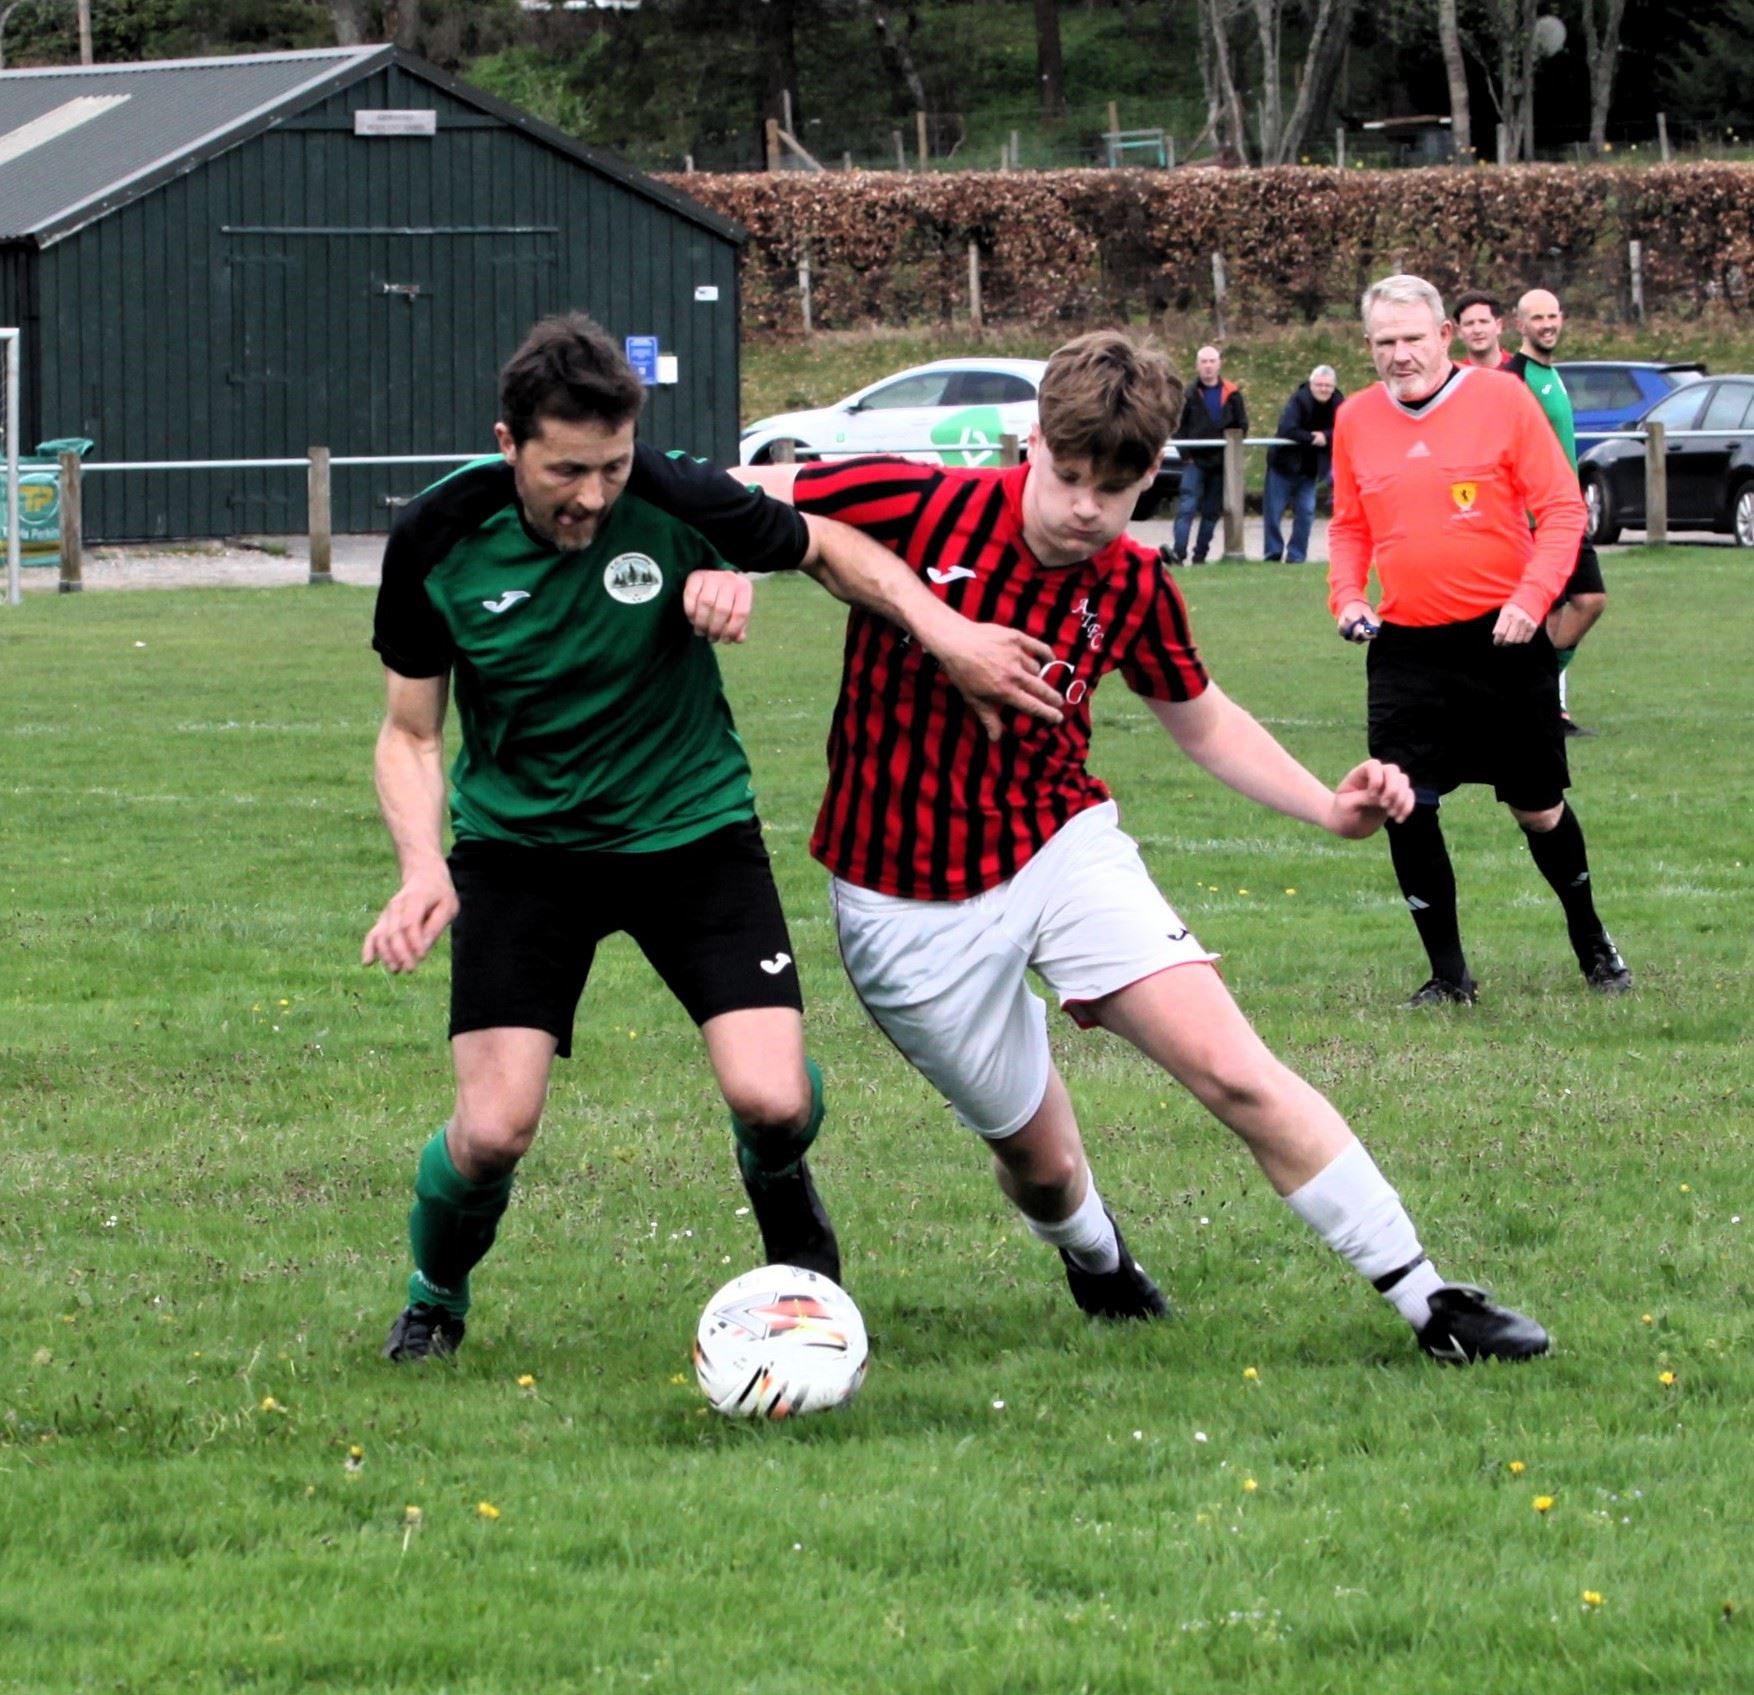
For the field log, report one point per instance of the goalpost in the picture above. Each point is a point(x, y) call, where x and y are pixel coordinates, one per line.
point(14, 586)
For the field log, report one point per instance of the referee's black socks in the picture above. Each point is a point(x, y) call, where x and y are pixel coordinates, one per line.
point(1428, 884)
point(1560, 854)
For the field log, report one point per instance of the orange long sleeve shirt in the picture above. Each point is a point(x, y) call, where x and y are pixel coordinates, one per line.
point(1440, 501)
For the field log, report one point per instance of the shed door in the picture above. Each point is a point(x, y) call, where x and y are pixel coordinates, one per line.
point(374, 342)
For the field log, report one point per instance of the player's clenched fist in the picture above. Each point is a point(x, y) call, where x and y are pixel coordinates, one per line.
point(717, 604)
point(1368, 796)
point(413, 920)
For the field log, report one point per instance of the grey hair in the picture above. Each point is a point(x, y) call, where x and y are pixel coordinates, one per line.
point(1327, 371)
point(1402, 290)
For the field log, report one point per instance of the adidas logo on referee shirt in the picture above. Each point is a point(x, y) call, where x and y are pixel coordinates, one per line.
point(1418, 451)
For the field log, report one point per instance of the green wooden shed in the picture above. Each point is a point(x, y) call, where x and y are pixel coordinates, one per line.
point(239, 258)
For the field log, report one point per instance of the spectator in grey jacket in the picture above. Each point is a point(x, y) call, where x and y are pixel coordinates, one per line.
point(1293, 472)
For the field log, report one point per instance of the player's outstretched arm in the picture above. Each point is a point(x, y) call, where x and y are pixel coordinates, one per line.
point(1220, 737)
point(409, 770)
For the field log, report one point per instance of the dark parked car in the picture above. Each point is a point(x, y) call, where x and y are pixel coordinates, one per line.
point(1613, 394)
point(1711, 477)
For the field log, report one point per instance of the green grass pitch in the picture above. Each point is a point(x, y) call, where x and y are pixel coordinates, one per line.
point(209, 1114)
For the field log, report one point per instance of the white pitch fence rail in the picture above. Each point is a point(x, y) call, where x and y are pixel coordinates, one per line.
point(319, 463)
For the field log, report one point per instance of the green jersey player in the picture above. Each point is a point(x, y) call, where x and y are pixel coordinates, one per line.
point(565, 593)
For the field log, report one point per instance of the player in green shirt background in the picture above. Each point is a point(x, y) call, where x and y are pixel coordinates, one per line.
point(1580, 603)
point(566, 593)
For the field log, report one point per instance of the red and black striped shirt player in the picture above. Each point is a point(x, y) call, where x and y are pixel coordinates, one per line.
point(921, 803)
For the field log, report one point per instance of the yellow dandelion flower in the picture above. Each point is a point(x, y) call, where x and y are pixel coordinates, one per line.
point(1291, 891)
point(1592, 1598)
point(356, 1452)
point(1249, 1374)
point(1517, 1468)
point(269, 1404)
point(1666, 1378)
point(677, 1379)
point(412, 1515)
point(1242, 891)
point(283, 1003)
point(1649, 1318)
point(1543, 1503)
point(526, 1381)
point(1687, 1188)
point(486, 1509)
point(1249, 1486)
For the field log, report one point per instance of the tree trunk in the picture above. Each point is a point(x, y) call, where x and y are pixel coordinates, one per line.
point(1449, 35)
point(1267, 22)
point(1050, 63)
point(909, 88)
point(1602, 47)
point(1224, 114)
point(1321, 72)
point(348, 17)
point(776, 30)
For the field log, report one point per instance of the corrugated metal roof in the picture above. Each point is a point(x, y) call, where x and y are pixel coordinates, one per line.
point(174, 107)
point(181, 111)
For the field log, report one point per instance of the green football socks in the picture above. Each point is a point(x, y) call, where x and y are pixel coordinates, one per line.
point(451, 1227)
point(764, 1155)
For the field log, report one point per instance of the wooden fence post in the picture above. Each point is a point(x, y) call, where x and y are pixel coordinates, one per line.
point(900, 151)
point(920, 132)
point(1015, 155)
point(974, 284)
point(1656, 485)
point(1010, 450)
point(1663, 135)
point(804, 290)
point(783, 453)
point(1233, 494)
point(773, 144)
point(1340, 147)
point(72, 525)
point(1219, 288)
point(322, 541)
point(1635, 264)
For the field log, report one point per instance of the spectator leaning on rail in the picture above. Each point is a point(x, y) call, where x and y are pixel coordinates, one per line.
point(1293, 472)
point(1438, 470)
point(1209, 408)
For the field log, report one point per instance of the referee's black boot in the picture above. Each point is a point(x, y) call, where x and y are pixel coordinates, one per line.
point(1440, 991)
point(794, 1223)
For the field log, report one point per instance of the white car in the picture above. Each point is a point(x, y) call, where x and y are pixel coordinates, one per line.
point(953, 410)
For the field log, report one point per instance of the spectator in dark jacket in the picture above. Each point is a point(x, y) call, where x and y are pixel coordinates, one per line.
point(1293, 472)
point(1210, 407)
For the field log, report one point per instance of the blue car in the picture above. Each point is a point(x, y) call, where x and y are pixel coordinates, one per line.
point(1613, 394)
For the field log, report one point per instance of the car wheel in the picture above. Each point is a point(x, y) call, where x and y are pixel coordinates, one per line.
point(767, 456)
point(1603, 526)
point(1743, 515)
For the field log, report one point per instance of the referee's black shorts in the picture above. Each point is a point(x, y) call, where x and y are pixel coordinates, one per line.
point(1450, 708)
point(706, 914)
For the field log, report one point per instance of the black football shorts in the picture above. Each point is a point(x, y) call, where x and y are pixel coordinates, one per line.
point(1586, 576)
point(706, 914)
point(1450, 708)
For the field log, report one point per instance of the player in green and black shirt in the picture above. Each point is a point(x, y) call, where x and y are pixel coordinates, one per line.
point(1581, 601)
point(562, 592)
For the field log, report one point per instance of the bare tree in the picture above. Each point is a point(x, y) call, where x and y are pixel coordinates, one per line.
point(897, 56)
point(1449, 36)
point(1329, 27)
point(348, 17)
point(1224, 114)
point(1268, 23)
point(1602, 48)
point(1510, 24)
point(1050, 62)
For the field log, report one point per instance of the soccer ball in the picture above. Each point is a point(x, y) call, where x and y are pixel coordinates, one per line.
point(778, 1342)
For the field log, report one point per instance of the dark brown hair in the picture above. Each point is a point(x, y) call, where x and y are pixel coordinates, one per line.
point(1478, 297)
point(1107, 399)
point(570, 370)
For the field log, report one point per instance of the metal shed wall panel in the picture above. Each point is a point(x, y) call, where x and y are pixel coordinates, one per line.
point(314, 286)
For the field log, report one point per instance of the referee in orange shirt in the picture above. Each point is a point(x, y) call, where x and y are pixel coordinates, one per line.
point(1437, 470)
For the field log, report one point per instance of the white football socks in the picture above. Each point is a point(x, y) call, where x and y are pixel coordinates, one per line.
point(1349, 1204)
point(1088, 1235)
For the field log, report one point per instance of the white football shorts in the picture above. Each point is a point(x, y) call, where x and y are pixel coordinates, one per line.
point(944, 980)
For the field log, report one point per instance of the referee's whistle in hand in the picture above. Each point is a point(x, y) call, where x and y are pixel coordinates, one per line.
point(1360, 629)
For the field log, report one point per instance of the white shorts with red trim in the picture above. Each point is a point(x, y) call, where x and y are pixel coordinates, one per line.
point(945, 980)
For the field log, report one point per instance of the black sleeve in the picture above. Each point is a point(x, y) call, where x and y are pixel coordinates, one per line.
point(407, 632)
point(745, 526)
point(1242, 412)
point(1292, 422)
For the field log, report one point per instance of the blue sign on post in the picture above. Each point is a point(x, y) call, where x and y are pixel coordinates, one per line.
point(642, 355)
